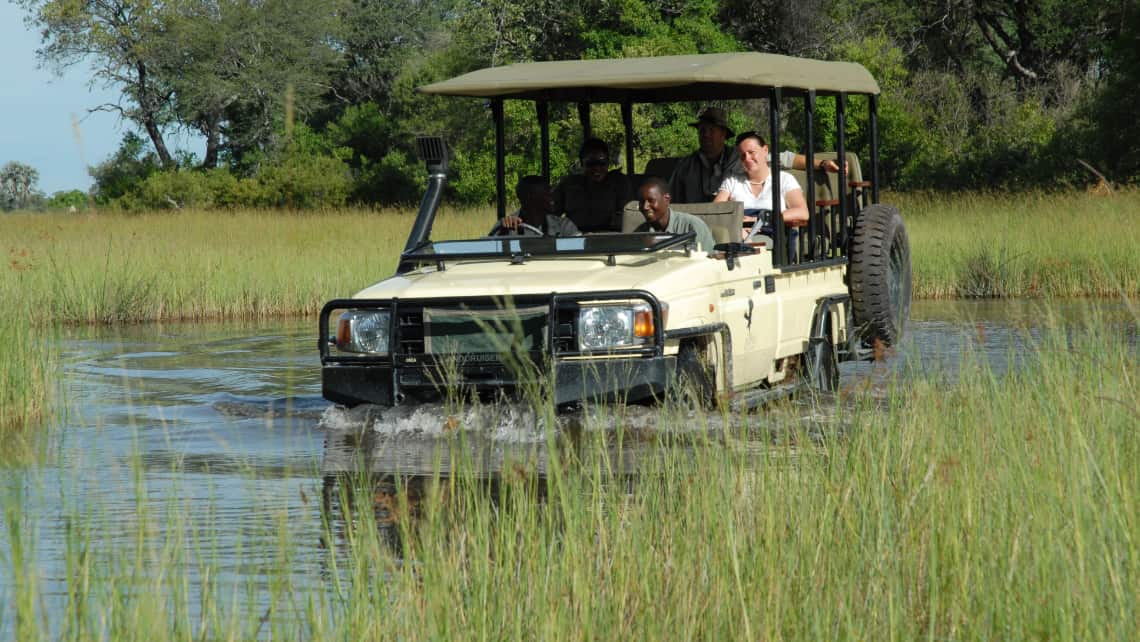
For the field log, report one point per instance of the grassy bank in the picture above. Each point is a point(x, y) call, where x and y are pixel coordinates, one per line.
point(107, 268)
point(252, 264)
point(1025, 245)
point(978, 508)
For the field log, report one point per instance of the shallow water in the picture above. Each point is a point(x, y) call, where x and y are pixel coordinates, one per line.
point(218, 431)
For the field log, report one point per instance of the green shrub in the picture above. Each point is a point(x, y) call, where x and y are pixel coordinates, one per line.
point(66, 200)
point(174, 190)
point(124, 171)
point(304, 182)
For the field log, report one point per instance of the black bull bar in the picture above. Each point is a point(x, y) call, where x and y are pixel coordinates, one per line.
point(558, 367)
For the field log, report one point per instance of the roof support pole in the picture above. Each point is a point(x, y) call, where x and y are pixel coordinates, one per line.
point(584, 119)
point(500, 158)
point(781, 249)
point(627, 120)
point(809, 162)
point(874, 117)
point(841, 150)
point(543, 109)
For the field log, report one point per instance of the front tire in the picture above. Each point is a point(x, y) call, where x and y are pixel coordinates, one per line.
point(693, 379)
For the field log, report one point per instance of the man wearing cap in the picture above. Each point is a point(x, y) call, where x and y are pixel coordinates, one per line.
point(698, 176)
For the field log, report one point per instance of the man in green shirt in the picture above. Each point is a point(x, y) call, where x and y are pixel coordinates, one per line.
point(654, 199)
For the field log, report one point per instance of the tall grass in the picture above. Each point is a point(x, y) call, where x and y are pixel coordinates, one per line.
point(26, 369)
point(1032, 244)
point(977, 508)
point(107, 268)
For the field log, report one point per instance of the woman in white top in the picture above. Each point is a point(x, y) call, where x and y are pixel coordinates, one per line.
point(754, 188)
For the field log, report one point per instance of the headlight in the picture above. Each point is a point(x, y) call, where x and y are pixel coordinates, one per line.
point(602, 327)
point(363, 331)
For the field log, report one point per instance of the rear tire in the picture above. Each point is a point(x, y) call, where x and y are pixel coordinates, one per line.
point(880, 277)
point(821, 361)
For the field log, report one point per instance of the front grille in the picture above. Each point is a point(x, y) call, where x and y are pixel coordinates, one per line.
point(449, 330)
point(410, 326)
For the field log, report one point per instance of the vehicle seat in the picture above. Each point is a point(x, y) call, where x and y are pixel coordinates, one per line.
point(855, 182)
point(725, 220)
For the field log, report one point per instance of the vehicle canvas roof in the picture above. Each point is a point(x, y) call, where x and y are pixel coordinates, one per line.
point(660, 79)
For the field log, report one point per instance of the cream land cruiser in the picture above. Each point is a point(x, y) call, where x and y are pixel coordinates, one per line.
point(634, 316)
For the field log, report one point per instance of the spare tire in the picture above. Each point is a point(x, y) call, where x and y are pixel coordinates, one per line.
point(880, 274)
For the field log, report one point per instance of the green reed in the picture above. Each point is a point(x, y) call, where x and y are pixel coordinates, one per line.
point(973, 507)
point(108, 268)
point(1030, 244)
point(250, 264)
point(26, 369)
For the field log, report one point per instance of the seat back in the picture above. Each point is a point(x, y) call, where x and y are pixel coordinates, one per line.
point(725, 220)
point(831, 179)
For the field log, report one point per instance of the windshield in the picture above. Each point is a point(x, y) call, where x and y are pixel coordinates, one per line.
point(549, 246)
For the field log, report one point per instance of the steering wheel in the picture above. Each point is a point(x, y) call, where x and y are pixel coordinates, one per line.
point(499, 230)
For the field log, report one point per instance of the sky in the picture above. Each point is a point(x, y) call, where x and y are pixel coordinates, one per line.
point(44, 118)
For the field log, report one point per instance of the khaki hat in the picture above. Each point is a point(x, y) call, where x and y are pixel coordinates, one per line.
point(714, 116)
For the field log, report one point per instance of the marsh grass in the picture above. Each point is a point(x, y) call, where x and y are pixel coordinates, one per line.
point(253, 264)
point(250, 264)
point(1032, 244)
point(978, 507)
point(27, 368)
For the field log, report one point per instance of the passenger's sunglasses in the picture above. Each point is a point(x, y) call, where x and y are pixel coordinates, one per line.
point(597, 162)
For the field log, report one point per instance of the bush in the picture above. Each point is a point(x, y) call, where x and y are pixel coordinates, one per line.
point(66, 200)
point(304, 182)
point(121, 174)
point(174, 190)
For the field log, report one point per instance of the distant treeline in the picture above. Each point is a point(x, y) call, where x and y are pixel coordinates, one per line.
point(305, 104)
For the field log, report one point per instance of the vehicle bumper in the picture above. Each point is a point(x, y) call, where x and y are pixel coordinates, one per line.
point(574, 381)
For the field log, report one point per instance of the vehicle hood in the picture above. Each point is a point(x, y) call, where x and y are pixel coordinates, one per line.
point(499, 277)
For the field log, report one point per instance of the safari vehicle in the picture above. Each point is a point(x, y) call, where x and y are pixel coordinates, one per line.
point(631, 316)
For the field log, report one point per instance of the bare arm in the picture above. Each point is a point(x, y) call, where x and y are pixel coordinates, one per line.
point(797, 212)
point(800, 162)
point(721, 196)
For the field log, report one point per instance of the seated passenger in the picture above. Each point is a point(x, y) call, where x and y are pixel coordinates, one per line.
point(753, 188)
point(654, 200)
point(594, 199)
point(698, 176)
point(536, 209)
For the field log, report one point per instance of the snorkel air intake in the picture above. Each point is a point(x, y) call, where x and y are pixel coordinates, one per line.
point(433, 151)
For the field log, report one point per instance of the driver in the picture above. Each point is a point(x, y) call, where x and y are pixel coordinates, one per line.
point(536, 212)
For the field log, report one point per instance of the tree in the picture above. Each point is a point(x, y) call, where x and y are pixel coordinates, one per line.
point(238, 67)
point(227, 69)
point(124, 41)
point(377, 40)
point(17, 185)
point(1115, 139)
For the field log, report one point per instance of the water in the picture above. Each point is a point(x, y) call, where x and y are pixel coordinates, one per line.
point(217, 432)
